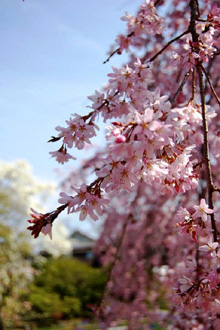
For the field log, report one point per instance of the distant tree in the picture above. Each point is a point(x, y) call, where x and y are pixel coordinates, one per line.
point(19, 189)
point(15, 274)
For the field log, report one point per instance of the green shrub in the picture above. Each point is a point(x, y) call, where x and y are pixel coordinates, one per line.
point(65, 288)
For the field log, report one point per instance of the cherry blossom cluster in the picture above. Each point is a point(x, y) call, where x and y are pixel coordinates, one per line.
point(157, 179)
point(194, 222)
point(126, 86)
point(145, 23)
point(77, 133)
point(87, 201)
point(214, 17)
point(204, 48)
point(42, 223)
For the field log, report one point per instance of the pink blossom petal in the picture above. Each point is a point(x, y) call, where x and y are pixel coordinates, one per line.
point(47, 230)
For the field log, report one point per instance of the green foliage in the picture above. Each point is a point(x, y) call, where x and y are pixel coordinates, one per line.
point(48, 302)
point(65, 288)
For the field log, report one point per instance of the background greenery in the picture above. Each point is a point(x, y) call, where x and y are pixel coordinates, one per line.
point(65, 288)
point(34, 290)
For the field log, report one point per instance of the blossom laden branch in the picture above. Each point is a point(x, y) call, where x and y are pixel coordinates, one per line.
point(210, 84)
point(206, 151)
point(167, 45)
point(145, 23)
point(88, 201)
point(194, 220)
point(195, 38)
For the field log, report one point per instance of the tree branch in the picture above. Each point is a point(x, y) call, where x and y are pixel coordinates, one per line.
point(193, 85)
point(112, 54)
point(210, 84)
point(186, 76)
point(167, 45)
point(210, 186)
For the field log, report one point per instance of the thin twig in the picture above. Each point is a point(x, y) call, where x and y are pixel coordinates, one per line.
point(193, 85)
point(186, 76)
point(199, 164)
point(168, 44)
point(113, 53)
point(217, 189)
point(197, 7)
point(156, 3)
point(118, 49)
point(210, 84)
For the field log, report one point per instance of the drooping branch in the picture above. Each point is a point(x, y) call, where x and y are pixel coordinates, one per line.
point(193, 86)
point(110, 271)
point(210, 186)
point(186, 76)
point(167, 45)
point(210, 84)
point(127, 221)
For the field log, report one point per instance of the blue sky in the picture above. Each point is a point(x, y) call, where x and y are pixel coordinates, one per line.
point(50, 61)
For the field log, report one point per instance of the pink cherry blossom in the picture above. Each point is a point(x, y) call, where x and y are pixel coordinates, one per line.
point(202, 210)
point(185, 283)
point(209, 247)
point(40, 224)
point(47, 230)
